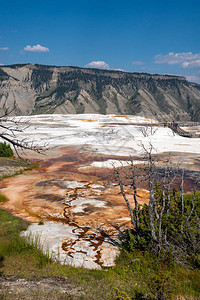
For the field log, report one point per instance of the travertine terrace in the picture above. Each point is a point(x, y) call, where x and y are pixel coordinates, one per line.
point(83, 212)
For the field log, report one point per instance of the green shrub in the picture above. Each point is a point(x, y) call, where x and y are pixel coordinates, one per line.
point(41, 223)
point(120, 295)
point(5, 150)
point(180, 230)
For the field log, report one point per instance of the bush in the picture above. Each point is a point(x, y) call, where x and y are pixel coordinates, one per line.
point(5, 150)
point(180, 231)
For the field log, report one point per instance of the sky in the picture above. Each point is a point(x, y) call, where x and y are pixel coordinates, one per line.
point(151, 36)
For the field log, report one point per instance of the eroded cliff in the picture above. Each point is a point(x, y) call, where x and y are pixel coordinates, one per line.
point(37, 89)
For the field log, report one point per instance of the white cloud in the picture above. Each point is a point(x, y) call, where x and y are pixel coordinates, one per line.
point(193, 78)
point(138, 63)
point(98, 65)
point(36, 48)
point(119, 69)
point(191, 64)
point(176, 58)
point(4, 48)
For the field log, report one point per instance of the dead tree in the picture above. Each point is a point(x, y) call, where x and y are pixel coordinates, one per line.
point(147, 130)
point(152, 201)
point(169, 223)
point(10, 126)
point(134, 187)
point(129, 179)
point(124, 179)
point(158, 207)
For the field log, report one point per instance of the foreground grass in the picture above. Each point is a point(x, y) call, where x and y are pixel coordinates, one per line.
point(134, 276)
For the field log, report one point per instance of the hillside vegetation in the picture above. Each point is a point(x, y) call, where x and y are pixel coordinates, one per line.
point(38, 89)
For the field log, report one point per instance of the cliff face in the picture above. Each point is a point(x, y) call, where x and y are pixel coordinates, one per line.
point(37, 89)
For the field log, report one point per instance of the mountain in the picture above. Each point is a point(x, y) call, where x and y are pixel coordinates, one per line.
point(38, 89)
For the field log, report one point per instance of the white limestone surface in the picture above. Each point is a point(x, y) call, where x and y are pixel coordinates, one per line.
point(81, 203)
point(81, 250)
point(110, 163)
point(108, 134)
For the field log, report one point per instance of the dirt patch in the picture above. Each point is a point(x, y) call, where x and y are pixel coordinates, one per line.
point(52, 182)
point(50, 197)
point(89, 208)
point(11, 166)
point(45, 288)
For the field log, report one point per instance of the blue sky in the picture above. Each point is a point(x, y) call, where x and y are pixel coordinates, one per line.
point(137, 36)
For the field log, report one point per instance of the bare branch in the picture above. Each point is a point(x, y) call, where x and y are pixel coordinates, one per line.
point(135, 199)
point(124, 196)
point(9, 126)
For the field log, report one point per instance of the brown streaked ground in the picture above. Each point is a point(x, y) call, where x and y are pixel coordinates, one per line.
point(88, 205)
point(40, 194)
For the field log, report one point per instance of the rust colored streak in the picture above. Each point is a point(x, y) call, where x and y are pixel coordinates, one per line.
point(41, 194)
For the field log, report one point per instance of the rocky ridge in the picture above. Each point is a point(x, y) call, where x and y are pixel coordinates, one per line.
point(38, 89)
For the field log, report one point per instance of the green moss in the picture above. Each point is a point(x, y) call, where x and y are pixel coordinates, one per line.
point(3, 198)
